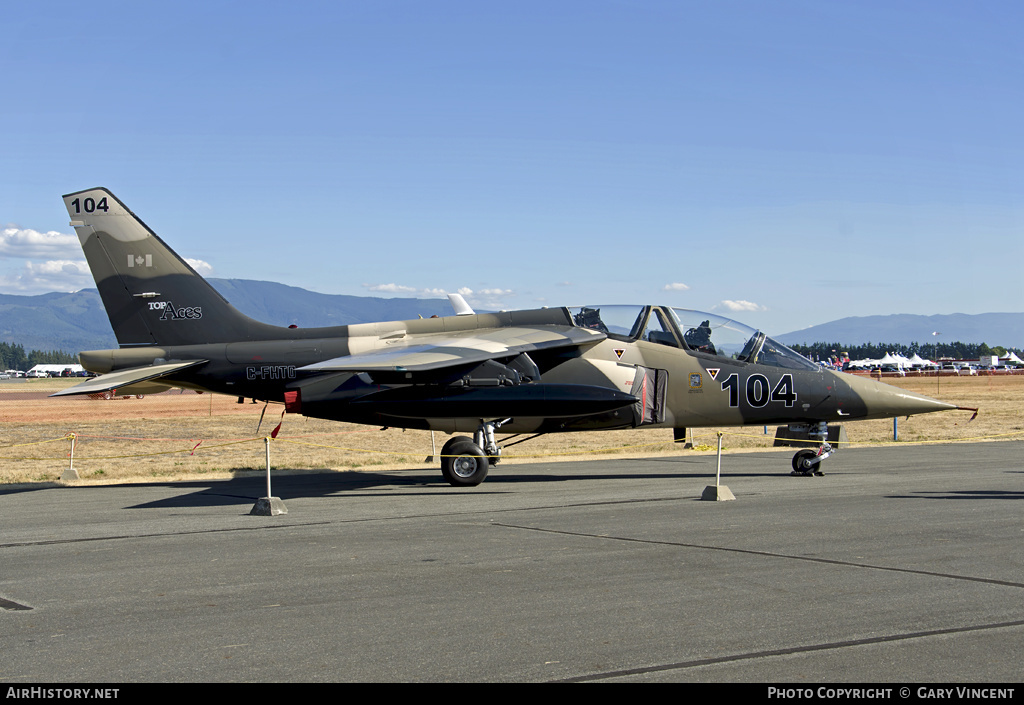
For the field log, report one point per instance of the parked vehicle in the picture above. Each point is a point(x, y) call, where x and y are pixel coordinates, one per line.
point(112, 394)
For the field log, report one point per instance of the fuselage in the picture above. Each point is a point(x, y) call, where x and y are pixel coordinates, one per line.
point(679, 378)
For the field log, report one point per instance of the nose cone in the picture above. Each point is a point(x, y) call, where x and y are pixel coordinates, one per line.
point(867, 399)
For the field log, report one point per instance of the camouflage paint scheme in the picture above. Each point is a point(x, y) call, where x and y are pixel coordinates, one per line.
point(544, 370)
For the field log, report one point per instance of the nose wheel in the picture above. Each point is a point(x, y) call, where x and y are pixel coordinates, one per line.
point(807, 462)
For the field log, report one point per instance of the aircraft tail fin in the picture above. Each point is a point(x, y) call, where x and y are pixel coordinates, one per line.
point(460, 306)
point(152, 296)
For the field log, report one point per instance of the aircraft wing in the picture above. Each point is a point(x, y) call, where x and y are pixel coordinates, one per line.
point(422, 353)
point(122, 378)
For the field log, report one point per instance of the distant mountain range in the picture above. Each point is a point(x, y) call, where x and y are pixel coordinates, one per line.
point(75, 322)
point(1006, 329)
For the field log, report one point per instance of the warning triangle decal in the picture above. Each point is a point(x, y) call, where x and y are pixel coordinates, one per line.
point(713, 371)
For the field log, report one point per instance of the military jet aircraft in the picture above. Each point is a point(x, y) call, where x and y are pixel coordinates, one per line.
point(518, 372)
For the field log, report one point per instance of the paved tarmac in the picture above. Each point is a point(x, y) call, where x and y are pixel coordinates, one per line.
point(900, 565)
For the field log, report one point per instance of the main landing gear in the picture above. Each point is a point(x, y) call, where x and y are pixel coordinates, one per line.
point(465, 461)
point(807, 462)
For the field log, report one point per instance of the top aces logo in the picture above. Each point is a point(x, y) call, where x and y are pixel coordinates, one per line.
point(175, 314)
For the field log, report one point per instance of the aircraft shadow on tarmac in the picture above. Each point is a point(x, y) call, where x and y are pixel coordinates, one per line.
point(244, 490)
point(27, 488)
point(961, 494)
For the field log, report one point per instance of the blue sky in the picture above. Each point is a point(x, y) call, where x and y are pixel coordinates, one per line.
point(785, 163)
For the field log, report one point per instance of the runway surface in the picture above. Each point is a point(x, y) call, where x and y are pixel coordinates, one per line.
point(901, 564)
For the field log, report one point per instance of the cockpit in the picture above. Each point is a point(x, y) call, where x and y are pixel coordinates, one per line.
point(699, 333)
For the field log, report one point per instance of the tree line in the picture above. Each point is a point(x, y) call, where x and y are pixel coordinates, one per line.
point(929, 351)
point(14, 357)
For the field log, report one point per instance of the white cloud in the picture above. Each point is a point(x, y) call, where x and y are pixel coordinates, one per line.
point(495, 299)
point(743, 306)
point(58, 268)
point(52, 275)
point(477, 298)
point(676, 286)
point(390, 288)
point(203, 268)
point(57, 272)
point(23, 243)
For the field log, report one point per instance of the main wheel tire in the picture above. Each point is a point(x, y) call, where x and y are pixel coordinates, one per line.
point(450, 443)
point(463, 463)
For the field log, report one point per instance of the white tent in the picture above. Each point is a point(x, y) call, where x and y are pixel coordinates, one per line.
point(899, 361)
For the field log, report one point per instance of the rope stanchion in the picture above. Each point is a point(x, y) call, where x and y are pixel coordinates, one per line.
point(269, 505)
point(70, 473)
point(718, 492)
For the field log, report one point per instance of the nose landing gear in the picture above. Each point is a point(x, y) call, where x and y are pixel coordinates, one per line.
point(807, 462)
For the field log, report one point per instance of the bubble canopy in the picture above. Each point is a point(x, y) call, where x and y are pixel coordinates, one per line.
point(698, 332)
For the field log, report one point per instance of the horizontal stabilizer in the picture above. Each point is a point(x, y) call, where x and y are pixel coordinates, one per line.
point(122, 378)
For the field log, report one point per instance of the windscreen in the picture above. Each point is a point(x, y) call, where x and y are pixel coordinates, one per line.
point(724, 337)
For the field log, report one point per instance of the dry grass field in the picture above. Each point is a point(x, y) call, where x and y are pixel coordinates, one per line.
point(178, 435)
